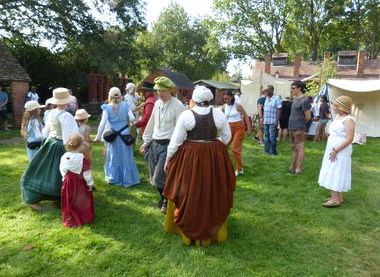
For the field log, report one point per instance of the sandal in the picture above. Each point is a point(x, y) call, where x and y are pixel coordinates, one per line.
point(331, 204)
point(329, 198)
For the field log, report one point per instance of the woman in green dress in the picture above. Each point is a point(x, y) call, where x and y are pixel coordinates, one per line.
point(42, 179)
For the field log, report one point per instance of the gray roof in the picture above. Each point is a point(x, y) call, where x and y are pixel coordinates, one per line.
point(217, 84)
point(178, 78)
point(10, 69)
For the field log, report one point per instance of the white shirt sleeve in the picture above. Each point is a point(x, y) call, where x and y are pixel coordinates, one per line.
point(102, 125)
point(222, 125)
point(184, 123)
point(69, 126)
point(87, 175)
point(131, 116)
point(62, 167)
point(149, 129)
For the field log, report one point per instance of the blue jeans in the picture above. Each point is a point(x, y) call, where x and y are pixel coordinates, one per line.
point(270, 138)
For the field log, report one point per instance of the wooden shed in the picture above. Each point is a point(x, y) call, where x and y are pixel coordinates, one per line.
point(218, 88)
point(14, 75)
point(184, 85)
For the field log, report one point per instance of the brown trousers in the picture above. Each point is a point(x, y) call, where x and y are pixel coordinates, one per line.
point(237, 132)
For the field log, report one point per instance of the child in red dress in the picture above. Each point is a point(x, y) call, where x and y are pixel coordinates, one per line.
point(77, 202)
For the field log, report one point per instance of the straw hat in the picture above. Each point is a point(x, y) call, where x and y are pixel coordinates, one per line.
point(202, 94)
point(114, 92)
point(81, 114)
point(163, 83)
point(32, 105)
point(61, 96)
point(343, 103)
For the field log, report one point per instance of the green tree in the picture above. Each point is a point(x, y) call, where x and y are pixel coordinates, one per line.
point(60, 21)
point(252, 28)
point(183, 44)
point(326, 71)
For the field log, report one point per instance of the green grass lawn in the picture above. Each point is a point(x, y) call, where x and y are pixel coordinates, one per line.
point(277, 227)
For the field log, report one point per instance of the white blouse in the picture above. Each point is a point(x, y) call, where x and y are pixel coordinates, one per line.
point(233, 115)
point(186, 122)
point(72, 161)
point(163, 120)
point(68, 124)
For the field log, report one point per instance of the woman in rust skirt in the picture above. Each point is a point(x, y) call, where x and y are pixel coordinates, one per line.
point(200, 177)
point(236, 117)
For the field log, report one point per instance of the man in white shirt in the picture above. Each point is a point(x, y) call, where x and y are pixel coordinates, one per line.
point(158, 133)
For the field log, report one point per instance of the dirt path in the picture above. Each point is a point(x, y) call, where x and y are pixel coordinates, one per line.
point(11, 140)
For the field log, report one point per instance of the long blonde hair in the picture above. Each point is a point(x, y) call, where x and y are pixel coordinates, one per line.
point(25, 120)
point(114, 101)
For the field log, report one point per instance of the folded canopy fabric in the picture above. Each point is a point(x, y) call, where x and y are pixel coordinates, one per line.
point(365, 96)
point(356, 85)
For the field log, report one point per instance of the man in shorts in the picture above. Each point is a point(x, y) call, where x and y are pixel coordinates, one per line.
point(299, 114)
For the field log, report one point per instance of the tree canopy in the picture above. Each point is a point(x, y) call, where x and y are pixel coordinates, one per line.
point(254, 28)
point(182, 43)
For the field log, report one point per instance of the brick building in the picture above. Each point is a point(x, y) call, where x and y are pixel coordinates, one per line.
point(14, 76)
point(350, 65)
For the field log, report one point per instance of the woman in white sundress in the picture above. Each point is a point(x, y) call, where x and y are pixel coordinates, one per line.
point(335, 174)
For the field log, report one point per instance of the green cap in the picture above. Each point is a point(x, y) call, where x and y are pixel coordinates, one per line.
point(163, 83)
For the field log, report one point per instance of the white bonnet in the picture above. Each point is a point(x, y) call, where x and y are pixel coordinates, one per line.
point(130, 88)
point(202, 94)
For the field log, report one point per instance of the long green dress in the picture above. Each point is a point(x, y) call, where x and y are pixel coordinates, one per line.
point(42, 179)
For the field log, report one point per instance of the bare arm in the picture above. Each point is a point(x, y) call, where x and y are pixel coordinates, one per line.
point(245, 115)
point(260, 110)
point(88, 131)
point(350, 131)
point(307, 116)
point(278, 115)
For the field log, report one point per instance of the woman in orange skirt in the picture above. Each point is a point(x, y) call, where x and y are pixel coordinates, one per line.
point(200, 178)
point(235, 115)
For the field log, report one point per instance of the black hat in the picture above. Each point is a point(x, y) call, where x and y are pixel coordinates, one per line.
point(147, 86)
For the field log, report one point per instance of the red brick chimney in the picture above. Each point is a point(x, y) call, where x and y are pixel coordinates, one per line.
point(360, 62)
point(326, 56)
point(297, 65)
point(268, 63)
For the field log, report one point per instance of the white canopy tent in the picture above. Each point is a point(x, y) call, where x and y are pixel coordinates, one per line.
point(251, 90)
point(365, 96)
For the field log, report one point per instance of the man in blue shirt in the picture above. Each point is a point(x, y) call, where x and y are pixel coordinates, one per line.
point(272, 112)
point(3, 107)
